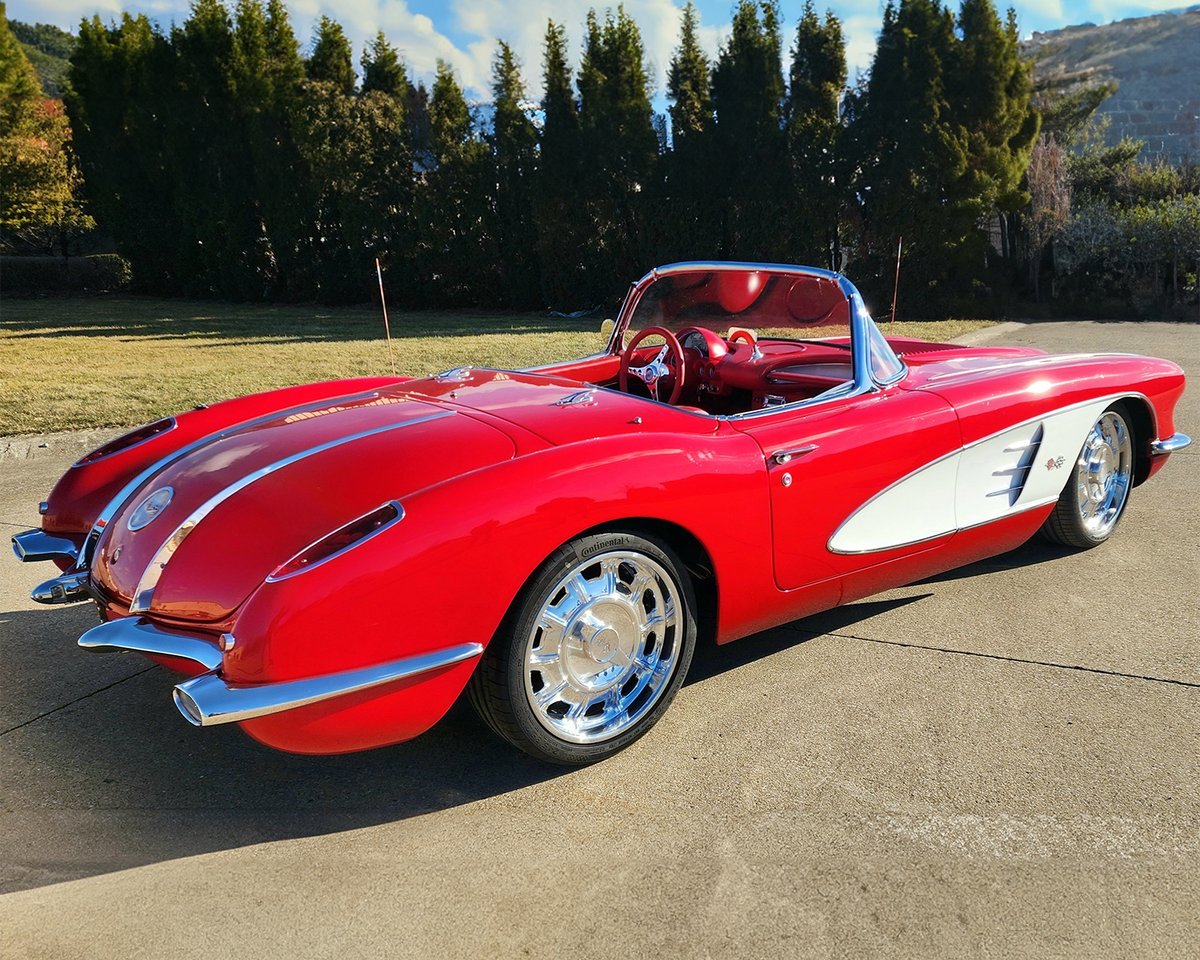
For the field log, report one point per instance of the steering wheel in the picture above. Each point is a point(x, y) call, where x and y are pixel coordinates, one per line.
point(668, 365)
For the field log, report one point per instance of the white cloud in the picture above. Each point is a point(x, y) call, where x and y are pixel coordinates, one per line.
point(522, 25)
point(860, 31)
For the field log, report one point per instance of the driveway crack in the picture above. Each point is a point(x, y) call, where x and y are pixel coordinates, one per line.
point(63, 706)
point(995, 656)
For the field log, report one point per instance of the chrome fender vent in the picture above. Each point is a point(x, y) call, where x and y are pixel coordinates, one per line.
point(1018, 473)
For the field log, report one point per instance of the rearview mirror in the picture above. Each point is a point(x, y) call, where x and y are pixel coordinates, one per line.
point(606, 328)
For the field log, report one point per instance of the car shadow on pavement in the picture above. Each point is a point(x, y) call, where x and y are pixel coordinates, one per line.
point(98, 772)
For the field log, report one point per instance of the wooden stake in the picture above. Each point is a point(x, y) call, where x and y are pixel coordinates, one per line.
point(896, 288)
point(387, 330)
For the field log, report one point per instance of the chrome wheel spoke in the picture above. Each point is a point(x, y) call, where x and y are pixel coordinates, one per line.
point(588, 673)
point(1103, 474)
point(549, 695)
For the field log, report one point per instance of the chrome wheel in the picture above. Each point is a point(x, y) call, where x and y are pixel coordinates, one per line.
point(1103, 474)
point(603, 647)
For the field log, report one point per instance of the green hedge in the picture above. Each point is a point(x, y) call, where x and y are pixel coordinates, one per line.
point(33, 276)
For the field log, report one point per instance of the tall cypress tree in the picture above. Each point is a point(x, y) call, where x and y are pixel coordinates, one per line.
point(691, 108)
point(817, 81)
point(385, 204)
point(687, 226)
point(120, 91)
point(993, 91)
point(912, 154)
point(557, 213)
point(619, 143)
point(383, 70)
point(620, 151)
point(332, 60)
point(452, 199)
point(748, 94)
point(284, 183)
point(688, 86)
point(514, 156)
point(206, 143)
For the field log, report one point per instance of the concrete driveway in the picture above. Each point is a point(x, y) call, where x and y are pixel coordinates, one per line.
point(1000, 762)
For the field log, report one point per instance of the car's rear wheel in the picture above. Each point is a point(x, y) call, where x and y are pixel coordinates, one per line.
point(1094, 499)
point(594, 651)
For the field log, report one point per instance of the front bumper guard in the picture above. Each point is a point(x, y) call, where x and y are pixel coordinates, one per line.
point(1172, 443)
point(33, 546)
point(209, 699)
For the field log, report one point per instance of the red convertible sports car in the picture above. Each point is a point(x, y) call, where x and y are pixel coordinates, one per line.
point(333, 564)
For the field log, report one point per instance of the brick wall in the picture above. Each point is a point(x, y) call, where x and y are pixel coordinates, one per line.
point(1169, 124)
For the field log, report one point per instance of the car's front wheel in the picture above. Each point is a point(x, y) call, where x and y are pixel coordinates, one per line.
point(1094, 499)
point(594, 651)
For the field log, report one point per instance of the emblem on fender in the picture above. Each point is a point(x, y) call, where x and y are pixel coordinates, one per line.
point(1055, 462)
point(150, 508)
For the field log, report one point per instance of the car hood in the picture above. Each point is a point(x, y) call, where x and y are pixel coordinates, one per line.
point(248, 500)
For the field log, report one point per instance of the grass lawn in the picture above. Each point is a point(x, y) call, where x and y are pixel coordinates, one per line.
point(73, 363)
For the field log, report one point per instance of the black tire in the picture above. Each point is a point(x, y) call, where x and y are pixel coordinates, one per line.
point(502, 688)
point(1066, 524)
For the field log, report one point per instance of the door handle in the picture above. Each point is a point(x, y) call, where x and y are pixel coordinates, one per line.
point(781, 457)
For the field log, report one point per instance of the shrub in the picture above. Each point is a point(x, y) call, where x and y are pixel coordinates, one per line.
point(39, 276)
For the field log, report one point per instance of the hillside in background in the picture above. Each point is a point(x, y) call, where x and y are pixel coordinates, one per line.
point(48, 49)
point(1156, 64)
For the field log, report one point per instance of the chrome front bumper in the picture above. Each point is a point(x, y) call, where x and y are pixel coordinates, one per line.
point(208, 699)
point(1176, 442)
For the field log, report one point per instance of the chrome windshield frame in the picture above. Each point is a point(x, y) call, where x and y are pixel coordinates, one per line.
point(861, 324)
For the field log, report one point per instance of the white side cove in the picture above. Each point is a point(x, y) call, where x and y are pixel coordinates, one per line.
point(1021, 468)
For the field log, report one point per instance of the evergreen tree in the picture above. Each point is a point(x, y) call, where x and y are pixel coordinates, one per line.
point(383, 70)
point(268, 74)
point(121, 84)
point(206, 144)
point(912, 155)
point(1067, 104)
point(691, 107)
point(284, 63)
point(453, 252)
point(619, 143)
point(332, 60)
point(514, 154)
point(357, 150)
point(619, 152)
point(687, 223)
point(993, 92)
point(284, 180)
point(748, 94)
point(557, 214)
point(814, 133)
point(416, 109)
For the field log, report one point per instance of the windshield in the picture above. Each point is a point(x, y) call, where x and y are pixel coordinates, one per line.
point(769, 303)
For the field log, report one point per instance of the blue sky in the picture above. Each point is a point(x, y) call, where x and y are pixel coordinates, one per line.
point(464, 32)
